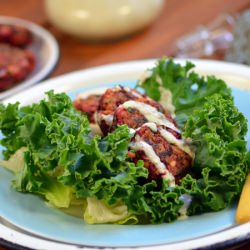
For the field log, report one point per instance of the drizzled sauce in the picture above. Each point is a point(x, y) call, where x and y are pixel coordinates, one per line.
point(108, 119)
point(154, 118)
point(151, 114)
point(139, 144)
point(178, 142)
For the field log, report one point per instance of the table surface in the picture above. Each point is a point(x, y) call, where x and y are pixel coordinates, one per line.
point(177, 18)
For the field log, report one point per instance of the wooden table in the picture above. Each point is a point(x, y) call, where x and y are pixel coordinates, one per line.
point(176, 19)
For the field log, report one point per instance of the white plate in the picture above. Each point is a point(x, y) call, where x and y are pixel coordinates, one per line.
point(35, 226)
point(45, 49)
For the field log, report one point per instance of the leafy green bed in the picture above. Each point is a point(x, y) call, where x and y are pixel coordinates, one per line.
point(51, 152)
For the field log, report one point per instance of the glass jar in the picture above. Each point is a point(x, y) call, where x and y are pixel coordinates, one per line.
point(102, 19)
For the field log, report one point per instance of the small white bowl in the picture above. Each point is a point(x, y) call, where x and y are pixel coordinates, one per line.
point(105, 20)
point(46, 51)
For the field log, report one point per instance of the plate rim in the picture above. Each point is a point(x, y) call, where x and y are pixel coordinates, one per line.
point(202, 66)
point(51, 63)
point(236, 233)
point(223, 238)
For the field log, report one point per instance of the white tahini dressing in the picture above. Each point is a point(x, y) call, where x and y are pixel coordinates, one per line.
point(95, 129)
point(151, 114)
point(178, 142)
point(166, 100)
point(133, 92)
point(108, 119)
point(187, 199)
point(166, 97)
point(151, 125)
point(146, 74)
point(139, 144)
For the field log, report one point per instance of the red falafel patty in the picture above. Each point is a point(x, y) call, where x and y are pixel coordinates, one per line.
point(165, 154)
point(110, 114)
point(156, 138)
point(135, 113)
point(109, 102)
point(88, 106)
point(15, 65)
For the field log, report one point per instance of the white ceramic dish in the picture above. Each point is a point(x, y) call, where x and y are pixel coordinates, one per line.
point(27, 222)
point(45, 49)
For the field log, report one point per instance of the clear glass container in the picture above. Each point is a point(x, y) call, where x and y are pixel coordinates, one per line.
point(205, 41)
point(102, 19)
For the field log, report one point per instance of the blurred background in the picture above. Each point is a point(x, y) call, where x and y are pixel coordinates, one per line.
point(170, 24)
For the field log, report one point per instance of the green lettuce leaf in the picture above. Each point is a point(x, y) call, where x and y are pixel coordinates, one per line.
point(27, 179)
point(98, 212)
point(63, 161)
point(37, 129)
point(188, 89)
point(221, 163)
point(205, 110)
point(17, 124)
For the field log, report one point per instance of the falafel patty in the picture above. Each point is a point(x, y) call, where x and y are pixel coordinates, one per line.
point(164, 153)
point(88, 106)
point(155, 136)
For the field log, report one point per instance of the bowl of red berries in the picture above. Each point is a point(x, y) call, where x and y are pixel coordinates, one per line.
point(28, 54)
